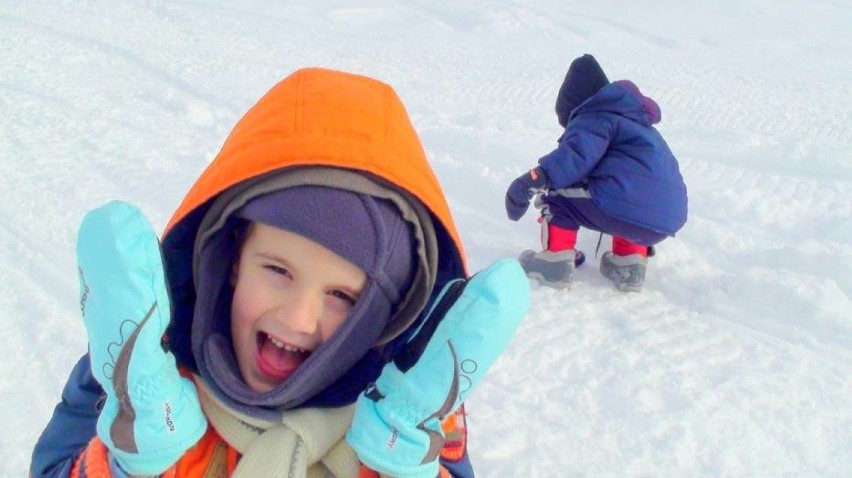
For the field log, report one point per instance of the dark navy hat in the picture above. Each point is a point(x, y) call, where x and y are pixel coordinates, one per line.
point(584, 78)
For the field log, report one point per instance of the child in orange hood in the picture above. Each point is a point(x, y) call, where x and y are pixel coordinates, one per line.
point(299, 266)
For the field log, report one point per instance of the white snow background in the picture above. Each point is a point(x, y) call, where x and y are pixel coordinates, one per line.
point(734, 361)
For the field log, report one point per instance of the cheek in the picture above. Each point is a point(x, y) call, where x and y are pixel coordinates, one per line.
point(334, 316)
point(243, 313)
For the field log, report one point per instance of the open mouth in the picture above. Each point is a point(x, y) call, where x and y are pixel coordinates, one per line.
point(277, 359)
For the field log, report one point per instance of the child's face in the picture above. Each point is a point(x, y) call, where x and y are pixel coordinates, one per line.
point(290, 295)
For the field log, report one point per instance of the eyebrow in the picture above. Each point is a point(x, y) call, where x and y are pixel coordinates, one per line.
point(271, 257)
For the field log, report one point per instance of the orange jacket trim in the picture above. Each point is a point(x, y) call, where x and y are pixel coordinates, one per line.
point(94, 463)
point(211, 457)
point(455, 436)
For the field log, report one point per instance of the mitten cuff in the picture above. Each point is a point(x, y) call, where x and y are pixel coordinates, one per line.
point(390, 447)
point(160, 435)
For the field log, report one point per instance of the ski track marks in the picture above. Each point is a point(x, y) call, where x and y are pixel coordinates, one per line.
point(631, 379)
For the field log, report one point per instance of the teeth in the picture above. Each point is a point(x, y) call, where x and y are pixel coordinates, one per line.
point(282, 345)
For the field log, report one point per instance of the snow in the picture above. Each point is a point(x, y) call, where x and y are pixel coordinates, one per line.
point(734, 361)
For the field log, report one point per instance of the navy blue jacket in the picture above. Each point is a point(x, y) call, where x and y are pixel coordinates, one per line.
point(611, 148)
point(72, 425)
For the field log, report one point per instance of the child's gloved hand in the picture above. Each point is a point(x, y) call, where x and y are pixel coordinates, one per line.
point(522, 190)
point(396, 429)
point(151, 415)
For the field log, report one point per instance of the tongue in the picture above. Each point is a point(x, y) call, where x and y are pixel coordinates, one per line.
point(278, 363)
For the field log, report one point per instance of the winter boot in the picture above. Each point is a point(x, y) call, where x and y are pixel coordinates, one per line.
point(554, 265)
point(627, 272)
point(553, 269)
point(625, 265)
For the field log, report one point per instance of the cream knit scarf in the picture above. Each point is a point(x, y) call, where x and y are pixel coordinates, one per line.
point(307, 443)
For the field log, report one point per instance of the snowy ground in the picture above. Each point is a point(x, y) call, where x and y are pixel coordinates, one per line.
point(736, 359)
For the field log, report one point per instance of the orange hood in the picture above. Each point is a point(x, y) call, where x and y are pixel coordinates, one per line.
point(314, 117)
point(320, 117)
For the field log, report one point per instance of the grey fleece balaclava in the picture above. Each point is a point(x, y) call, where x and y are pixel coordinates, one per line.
point(368, 231)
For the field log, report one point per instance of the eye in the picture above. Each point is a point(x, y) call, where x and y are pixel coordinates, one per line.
point(276, 269)
point(339, 294)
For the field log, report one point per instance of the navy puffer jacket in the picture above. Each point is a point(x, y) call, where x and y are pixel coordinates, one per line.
point(611, 148)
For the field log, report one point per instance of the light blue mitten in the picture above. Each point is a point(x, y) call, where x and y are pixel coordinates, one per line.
point(151, 415)
point(397, 425)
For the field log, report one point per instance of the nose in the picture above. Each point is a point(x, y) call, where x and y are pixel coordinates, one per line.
point(300, 312)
